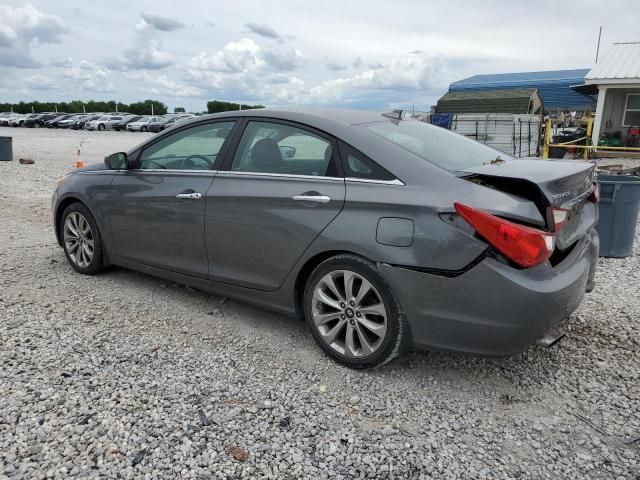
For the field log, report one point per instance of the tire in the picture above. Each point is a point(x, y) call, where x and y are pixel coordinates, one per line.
point(101, 127)
point(75, 218)
point(143, 129)
point(36, 125)
point(379, 308)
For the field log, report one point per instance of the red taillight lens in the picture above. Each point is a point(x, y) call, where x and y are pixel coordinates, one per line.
point(525, 246)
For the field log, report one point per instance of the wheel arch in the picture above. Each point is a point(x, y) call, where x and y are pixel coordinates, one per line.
point(305, 272)
point(61, 207)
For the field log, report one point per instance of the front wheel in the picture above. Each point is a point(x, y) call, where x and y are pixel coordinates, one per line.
point(143, 129)
point(81, 239)
point(101, 127)
point(353, 314)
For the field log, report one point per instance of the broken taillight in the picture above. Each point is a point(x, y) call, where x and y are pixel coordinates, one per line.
point(523, 245)
point(559, 217)
point(595, 195)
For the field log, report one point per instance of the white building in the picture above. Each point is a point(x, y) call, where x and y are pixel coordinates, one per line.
point(617, 78)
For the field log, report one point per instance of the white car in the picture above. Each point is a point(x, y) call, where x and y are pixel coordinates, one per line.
point(142, 125)
point(7, 118)
point(103, 123)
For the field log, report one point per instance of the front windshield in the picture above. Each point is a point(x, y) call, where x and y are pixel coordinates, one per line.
point(438, 145)
point(106, 117)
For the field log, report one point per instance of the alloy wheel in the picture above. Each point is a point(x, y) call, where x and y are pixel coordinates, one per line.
point(78, 239)
point(349, 314)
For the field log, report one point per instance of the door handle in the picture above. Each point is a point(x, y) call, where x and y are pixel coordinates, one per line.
point(311, 198)
point(191, 196)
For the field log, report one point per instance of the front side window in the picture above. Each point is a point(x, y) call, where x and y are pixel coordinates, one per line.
point(194, 148)
point(632, 110)
point(283, 149)
point(437, 145)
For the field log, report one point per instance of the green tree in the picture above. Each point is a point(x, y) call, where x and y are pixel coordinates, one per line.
point(215, 106)
point(144, 108)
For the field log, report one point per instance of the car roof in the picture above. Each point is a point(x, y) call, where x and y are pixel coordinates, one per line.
point(306, 115)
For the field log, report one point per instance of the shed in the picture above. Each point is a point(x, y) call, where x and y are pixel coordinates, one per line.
point(517, 100)
point(617, 78)
point(554, 86)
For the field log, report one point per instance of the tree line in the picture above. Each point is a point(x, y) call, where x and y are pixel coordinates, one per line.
point(216, 106)
point(137, 108)
point(78, 106)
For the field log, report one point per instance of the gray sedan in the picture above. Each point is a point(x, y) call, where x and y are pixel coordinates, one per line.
point(383, 233)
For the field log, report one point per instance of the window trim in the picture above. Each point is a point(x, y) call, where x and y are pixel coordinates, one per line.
point(133, 161)
point(626, 103)
point(344, 160)
point(233, 147)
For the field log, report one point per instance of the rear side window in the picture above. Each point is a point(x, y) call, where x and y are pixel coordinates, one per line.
point(437, 145)
point(358, 165)
point(267, 147)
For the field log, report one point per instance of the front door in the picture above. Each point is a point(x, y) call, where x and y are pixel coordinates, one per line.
point(157, 216)
point(282, 189)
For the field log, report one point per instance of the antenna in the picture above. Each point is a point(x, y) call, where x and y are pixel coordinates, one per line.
point(598, 48)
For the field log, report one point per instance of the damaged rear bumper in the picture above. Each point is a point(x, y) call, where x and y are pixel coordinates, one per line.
point(493, 309)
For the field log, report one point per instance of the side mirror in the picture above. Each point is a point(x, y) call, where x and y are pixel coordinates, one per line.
point(116, 161)
point(287, 152)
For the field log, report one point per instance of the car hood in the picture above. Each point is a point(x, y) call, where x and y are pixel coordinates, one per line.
point(96, 167)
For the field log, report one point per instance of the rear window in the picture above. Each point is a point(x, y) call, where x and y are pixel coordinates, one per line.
point(438, 145)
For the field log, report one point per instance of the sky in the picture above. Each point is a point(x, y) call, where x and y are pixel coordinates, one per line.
point(365, 54)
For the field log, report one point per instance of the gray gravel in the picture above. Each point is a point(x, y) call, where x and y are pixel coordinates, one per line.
point(124, 375)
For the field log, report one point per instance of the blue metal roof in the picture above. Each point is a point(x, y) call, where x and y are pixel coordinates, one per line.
point(553, 86)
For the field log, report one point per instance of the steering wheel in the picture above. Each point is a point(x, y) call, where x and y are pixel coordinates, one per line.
point(198, 157)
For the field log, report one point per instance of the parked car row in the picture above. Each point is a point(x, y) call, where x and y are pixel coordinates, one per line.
point(118, 121)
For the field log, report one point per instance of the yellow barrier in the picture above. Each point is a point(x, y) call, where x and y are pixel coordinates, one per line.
point(587, 148)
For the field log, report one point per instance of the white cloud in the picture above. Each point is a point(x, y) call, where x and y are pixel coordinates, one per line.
point(158, 22)
point(89, 76)
point(40, 82)
point(283, 60)
point(27, 24)
point(23, 28)
point(262, 29)
point(235, 57)
point(161, 84)
point(143, 56)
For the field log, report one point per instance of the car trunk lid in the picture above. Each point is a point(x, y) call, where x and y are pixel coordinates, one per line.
point(549, 184)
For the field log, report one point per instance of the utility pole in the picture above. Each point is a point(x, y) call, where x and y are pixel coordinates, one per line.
point(83, 109)
point(152, 109)
point(598, 48)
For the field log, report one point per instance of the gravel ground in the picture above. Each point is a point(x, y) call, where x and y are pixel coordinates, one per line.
point(123, 375)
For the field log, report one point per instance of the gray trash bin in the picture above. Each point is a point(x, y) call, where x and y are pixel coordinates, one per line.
point(6, 148)
point(619, 203)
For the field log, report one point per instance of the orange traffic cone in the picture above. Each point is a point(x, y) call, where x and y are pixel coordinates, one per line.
point(79, 162)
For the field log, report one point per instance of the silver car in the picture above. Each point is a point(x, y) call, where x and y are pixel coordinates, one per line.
point(142, 125)
point(382, 233)
point(103, 123)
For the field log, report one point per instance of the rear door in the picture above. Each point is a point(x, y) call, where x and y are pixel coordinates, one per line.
point(157, 216)
point(282, 187)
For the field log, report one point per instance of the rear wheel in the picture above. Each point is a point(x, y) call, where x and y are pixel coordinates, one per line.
point(353, 313)
point(81, 239)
